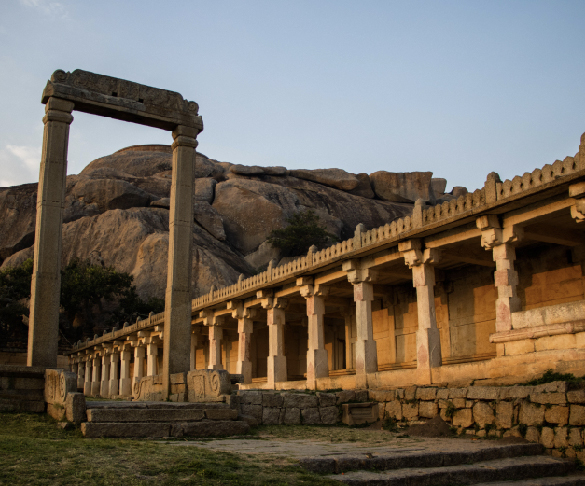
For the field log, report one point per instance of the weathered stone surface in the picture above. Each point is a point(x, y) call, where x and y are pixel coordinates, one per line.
point(457, 392)
point(361, 395)
point(382, 395)
point(364, 187)
point(270, 416)
point(210, 429)
point(311, 416)
point(554, 387)
point(209, 219)
point(438, 185)
point(145, 415)
point(459, 402)
point(344, 396)
point(463, 418)
point(410, 411)
point(531, 414)
point(575, 438)
point(204, 189)
point(221, 414)
point(251, 421)
point(483, 392)
point(337, 178)
point(292, 416)
point(402, 187)
point(208, 384)
point(329, 415)
point(253, 411)
point(504, 414)
point(107, 194)
point(394, 409)
point(532, 434)
point(560, 439)
point(298, 400)
point(576, 396)
point(125, 430)
point(327, 399)
point(428, 409)
point(251, 397)
point(577, 415)
point(557, 415)
point(443, 393)
point(75, 407)
point(272, 400)
point(547, 437)
point(517, 391)
point(483, 414)
point(426, 393)
point(410, 393)
point(548, 398)
point(359, 413)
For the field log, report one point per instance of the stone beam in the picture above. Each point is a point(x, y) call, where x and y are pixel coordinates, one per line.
point(111, 97)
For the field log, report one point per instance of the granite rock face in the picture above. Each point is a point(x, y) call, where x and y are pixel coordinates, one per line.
point(117, 211)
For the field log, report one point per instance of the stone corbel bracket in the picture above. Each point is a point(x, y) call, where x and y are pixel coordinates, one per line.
point(577, 191)
point(356, 275)
point(492, 233)
point(414, 255)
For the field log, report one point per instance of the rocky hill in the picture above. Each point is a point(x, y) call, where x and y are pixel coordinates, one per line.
point(116, 212)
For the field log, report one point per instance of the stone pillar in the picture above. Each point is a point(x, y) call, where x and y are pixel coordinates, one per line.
point(215, 336)
point(501, 241)
point(96, 376)
point(177, 327)
point(350, 338)
point(139, 358)
point(105, 384)
point(428, 338)
point(43, 332)
point(152, 358)
point(87, 376)
point(72, 365)
point(245, 330)
point(125, 379)
point(114, 382)
point(366, 356)
point(80, 374)
point(276, 320)
point(317, 358)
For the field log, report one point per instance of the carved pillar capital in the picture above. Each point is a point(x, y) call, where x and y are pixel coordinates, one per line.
point(577, 191)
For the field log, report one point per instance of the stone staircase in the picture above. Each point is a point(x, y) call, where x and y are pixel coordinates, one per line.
point(498, 465)
point(161, 419)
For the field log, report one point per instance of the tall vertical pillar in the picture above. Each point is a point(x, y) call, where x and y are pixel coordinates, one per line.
point(350, 338)
point(114, 382)
point(195, 333)
point(80, 373)
point(87, 376)
point(366, 355)
point(317, 358)
point(276, 320)
point(245, 330)
point(105, 383)
point(501, 241)
point(125, 379)
point(43, 330)
point(428, 338)
point(139, 359)
point(215, 337)
point(96, 376)
point(177, 327)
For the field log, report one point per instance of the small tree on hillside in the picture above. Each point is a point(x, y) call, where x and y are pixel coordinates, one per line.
point(303, 231)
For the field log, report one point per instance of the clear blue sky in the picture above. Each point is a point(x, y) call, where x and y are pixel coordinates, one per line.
point(460, 88)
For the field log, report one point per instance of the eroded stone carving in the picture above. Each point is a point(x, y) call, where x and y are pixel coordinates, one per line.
point(208, 385)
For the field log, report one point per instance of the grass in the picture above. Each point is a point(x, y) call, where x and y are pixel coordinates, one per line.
point(33, 450)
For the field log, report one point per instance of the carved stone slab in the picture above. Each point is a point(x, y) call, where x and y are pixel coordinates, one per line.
point(63, 401)
point(208, 385)
point(101, 95)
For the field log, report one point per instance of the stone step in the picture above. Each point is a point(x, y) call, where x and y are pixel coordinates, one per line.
point(381, 462)
point(165, 429)
point(119, 404)
point(19, 405)
point(23, 394)
point(571, 480)
point(118, 415)
point(486, 472)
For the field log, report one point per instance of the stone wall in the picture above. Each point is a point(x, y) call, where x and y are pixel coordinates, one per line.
point(273, 407)
point(551, 414)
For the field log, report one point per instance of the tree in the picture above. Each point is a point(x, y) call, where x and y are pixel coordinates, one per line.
point(303, 231)
point(14, 291)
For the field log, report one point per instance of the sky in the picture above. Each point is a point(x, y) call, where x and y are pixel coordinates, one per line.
point(459, 88)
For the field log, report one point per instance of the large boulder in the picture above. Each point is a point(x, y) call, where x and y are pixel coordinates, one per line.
point(402, 186)
point(330, 177)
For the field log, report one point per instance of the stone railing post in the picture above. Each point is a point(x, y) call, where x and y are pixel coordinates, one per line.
point(177, 327)
point(428, 338)
point(43, 331)
point(501, 241)
point(276, 320)
point(366, 360)
point(317, 357)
